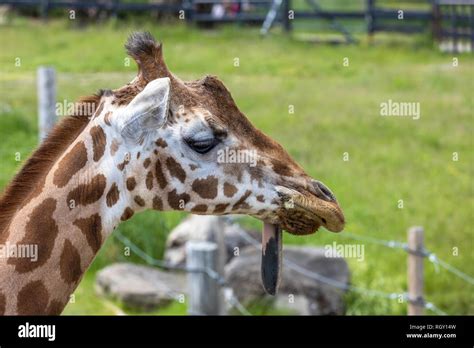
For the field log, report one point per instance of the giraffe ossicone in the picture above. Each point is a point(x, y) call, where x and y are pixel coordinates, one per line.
point(154, 143)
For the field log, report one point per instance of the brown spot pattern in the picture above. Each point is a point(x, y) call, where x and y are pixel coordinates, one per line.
point(107, 118)
point(206, 188)
point(175, 169)
point(139, 201)
point(98, 142)
point(91, 227)
point(229, 190)
point(146, 163)
point(127, 214)
point(159, 175)
point(42, 230)
point(260, 198)
point(220, 208)
point(70, 164)
point(175, 200)
point(241, 204)
point(88, 193)
point(200, 208)
point(161, 143)
point(27, 181)
point(32, 299)
point(70, 263)
point(122, 165)
point(157, 203)
point(113, 195)
point(131, 183)
point(149, 180)
point(114, 147)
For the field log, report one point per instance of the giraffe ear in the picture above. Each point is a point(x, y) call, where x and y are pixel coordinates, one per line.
point(146, 112)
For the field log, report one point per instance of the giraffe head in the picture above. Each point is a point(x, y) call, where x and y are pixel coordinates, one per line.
point(186, 146)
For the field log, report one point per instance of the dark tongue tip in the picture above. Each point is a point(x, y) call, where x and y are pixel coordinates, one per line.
point(271, 257)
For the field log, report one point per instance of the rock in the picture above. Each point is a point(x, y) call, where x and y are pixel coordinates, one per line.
point(140, 287)
point(208, 228)
point(243, 276)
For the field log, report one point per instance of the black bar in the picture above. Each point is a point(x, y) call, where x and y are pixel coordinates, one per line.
point(290, 331)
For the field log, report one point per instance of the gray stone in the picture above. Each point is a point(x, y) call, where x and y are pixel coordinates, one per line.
point(140, 287)
point(243, 276)
point(215, 229)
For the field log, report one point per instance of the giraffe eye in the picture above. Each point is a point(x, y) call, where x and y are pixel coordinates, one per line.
point(202, 146)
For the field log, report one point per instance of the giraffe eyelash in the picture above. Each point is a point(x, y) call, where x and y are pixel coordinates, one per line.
point(202, 146)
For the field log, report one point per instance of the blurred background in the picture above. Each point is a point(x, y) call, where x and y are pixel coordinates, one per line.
point(314, 76)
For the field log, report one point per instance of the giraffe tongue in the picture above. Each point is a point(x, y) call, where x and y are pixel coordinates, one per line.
point(271, 257)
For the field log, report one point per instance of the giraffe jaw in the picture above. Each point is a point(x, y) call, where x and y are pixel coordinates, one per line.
point(302, 214)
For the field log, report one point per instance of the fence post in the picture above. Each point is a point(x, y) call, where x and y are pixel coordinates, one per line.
point(204, 291)
point(415, 271)
point(44, 9)
point(436, 26)
point(369, 16)
point(286, 19)
point(46, 85)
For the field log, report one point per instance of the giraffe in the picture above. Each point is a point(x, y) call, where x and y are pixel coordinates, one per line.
point(156, 143)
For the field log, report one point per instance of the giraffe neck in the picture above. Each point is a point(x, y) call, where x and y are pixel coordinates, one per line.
point(64, 222)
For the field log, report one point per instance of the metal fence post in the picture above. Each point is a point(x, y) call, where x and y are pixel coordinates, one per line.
point(415, 271)
point(204, 291)
point(46, 85)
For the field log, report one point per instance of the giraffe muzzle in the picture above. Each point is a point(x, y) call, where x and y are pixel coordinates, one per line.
point(303, 213)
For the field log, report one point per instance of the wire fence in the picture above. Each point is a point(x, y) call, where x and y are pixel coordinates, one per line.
point(425, 253)
point(230, 298)
point(344, 286)
point(235, 303)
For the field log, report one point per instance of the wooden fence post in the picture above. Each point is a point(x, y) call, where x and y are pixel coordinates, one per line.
point(46, 85)
point(204, 291)
point(415, 271)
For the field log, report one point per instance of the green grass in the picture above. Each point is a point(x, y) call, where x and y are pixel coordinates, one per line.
point(336, 111)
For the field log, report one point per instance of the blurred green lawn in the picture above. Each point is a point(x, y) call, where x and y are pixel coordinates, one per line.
point(336, 111)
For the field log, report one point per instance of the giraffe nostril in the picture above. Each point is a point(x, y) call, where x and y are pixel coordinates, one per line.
point(323, 192)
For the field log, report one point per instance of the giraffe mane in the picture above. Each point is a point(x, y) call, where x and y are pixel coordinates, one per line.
point(40, 162)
